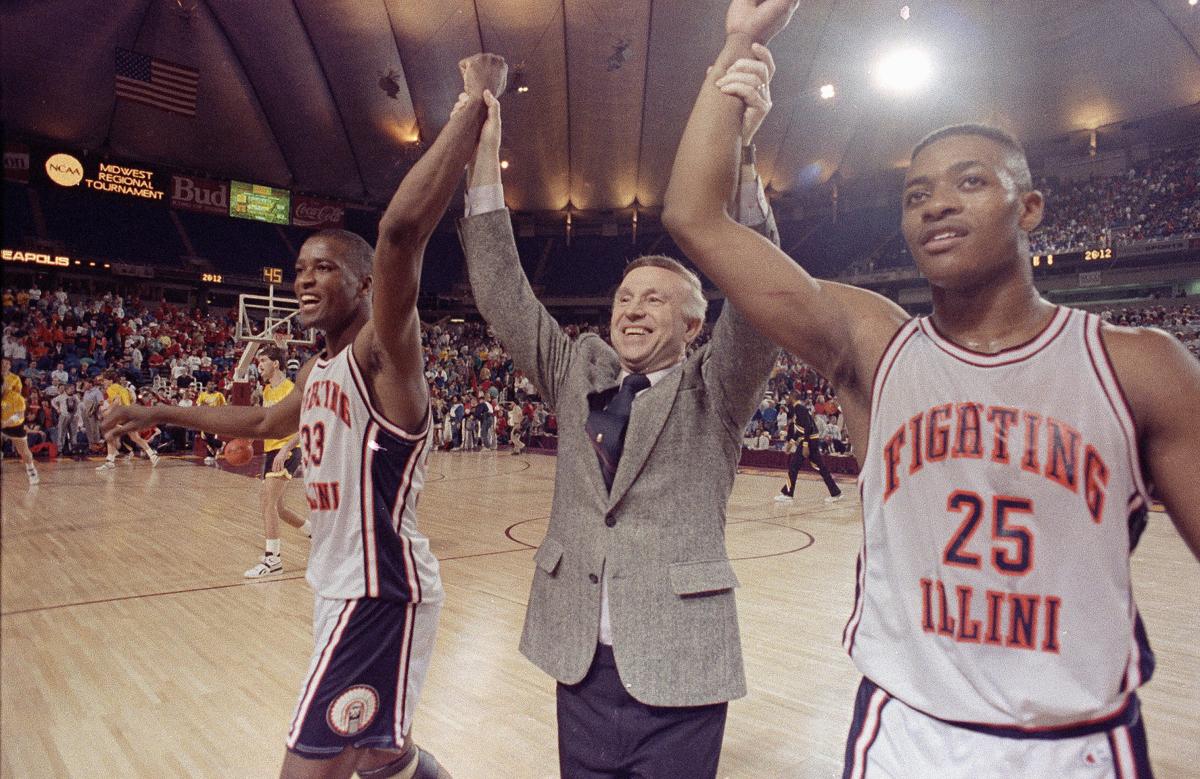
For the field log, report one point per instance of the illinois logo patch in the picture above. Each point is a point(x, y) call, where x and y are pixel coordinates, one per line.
point(353, 710)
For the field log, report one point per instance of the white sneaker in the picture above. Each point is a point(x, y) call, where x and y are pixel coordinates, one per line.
point(127, 458)
point(835, 498)
point(306, 528)
point(210, 461)
point(107, 465)
point(269, 565)
point(31, 472)
point(153, 459)
point(781, 498)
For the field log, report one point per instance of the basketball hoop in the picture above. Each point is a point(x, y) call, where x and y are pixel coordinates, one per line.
point(269, 319)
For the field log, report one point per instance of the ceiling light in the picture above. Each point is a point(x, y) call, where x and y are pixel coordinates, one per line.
point(504, 164)
point(903, 70)
point(827, 91)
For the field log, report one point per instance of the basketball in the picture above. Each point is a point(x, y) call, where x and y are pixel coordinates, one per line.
point(238, 451)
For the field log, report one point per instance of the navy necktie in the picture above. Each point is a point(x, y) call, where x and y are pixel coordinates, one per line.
point(606, 428)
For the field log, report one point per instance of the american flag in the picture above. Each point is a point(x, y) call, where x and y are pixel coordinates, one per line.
point(156, 82)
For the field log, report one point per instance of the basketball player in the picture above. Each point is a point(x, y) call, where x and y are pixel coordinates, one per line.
point(211, 396)
point(362, 408)
point(281, 462)
point(13, 413)
point(116, 395)
point(1010, 445)
point(807, 446)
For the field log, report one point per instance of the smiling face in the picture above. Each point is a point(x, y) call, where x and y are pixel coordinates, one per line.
point(650, 330)
point(330, 291)
point(967, 211)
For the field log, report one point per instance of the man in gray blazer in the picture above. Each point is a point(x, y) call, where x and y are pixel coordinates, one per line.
point(632, 607)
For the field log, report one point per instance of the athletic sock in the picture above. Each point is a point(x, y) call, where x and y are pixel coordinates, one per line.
point(273, 546)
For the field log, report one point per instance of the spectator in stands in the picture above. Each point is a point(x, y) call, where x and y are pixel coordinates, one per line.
point(471, 424)
point(90, 406)
point(35, 434)
point(516, 424)
point(70, 419)
point(487, 422)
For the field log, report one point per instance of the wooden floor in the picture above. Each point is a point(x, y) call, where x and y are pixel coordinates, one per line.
point(132, 646)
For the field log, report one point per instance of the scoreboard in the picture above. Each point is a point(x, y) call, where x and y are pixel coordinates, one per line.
point(1073, 257)
point(260, 202)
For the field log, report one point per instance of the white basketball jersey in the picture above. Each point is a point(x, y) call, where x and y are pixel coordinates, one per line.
point(362, 477)
point(1002, 497)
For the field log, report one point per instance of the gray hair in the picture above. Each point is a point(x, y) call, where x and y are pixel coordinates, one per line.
point(695, 305)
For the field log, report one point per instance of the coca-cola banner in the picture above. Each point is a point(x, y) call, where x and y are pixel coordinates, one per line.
point(316, 213)
point(192, 193)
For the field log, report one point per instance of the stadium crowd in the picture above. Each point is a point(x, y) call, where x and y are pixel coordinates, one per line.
point(1156, 198)
point(66, 348)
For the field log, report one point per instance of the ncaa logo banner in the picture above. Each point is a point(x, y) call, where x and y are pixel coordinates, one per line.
point(72, 170)
point(316, 213)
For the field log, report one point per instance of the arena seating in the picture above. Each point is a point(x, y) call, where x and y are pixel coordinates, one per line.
point(144, 341)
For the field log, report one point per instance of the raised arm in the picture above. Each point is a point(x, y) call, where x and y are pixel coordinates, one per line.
point(394, 357)
point(739, 359)
point(502, 293)
point(256, 422)
point(838, 329)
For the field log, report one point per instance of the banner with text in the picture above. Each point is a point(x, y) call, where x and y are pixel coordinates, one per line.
point(71, 170)
point(317, 213)
point(205, 196)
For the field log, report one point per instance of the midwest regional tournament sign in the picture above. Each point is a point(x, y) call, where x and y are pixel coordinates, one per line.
point(67, 170)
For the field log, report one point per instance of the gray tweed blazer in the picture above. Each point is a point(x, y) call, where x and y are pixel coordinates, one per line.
point(660, 532)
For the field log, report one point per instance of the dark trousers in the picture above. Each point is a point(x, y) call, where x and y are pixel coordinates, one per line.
point(603, 731)
point(818, 462)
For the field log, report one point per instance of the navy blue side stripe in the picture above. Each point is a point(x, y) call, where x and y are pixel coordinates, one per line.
point(392, 456)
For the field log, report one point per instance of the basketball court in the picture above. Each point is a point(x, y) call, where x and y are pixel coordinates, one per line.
point(132, 646)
